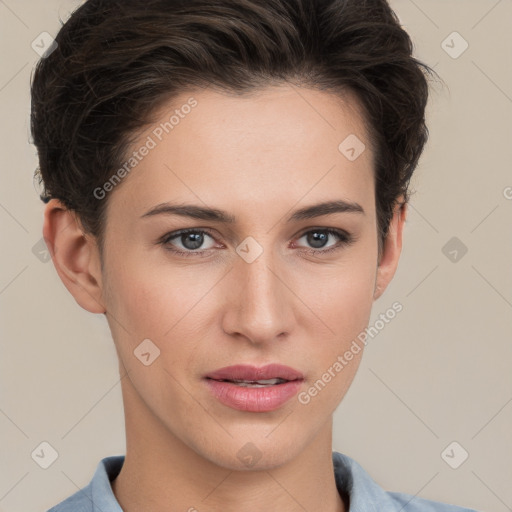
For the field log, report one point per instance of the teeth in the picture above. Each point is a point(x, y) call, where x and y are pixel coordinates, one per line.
point(258, 383)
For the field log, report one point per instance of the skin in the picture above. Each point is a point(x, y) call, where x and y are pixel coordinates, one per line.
point(259, 158)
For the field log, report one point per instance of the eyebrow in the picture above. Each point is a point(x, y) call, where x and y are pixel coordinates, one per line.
point(216, 215)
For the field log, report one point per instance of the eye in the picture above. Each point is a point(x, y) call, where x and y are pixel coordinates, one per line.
point(190, 239)
point(318, 239)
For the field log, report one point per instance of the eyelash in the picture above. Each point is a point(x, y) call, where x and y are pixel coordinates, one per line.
point(344, 239)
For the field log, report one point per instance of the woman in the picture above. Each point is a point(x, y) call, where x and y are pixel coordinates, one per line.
point(227, 182)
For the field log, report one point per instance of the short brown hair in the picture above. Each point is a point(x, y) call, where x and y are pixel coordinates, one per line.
point(117, 61)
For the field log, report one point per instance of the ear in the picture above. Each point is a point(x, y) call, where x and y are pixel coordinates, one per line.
point(391, 250)
point(75, 256)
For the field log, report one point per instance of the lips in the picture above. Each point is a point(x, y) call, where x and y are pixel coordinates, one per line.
point(251, 389)
point(251, 373)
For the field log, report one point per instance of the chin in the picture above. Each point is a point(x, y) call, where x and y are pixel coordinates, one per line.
point(254, 450)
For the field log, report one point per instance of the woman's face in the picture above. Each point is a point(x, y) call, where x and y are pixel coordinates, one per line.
point(267, 287)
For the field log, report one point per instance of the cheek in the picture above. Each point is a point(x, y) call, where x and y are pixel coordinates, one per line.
point(164, 304)
point(342, 296)
point(345, 310)
point(146, 304)
point(153, 300)
point(347, 297)
point(343, 300)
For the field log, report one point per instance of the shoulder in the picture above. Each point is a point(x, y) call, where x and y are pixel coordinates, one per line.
point(365, 495)
point(97, 495)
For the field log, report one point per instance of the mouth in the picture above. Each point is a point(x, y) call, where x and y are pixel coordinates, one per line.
point(252, 389)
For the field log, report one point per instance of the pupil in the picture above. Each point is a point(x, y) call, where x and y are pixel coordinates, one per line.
point(195, 239)
point(317, 239)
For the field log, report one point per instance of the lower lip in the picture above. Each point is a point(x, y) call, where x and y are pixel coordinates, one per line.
point(249, 399)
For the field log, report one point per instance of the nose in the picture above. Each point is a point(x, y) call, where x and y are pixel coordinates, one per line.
point(260, 305)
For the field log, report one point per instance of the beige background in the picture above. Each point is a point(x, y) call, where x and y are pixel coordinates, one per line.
point(439, 372)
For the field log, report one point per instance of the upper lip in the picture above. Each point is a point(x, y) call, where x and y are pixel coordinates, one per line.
point(254, 373)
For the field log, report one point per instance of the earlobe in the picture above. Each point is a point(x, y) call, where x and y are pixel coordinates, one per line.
point(391, 250)
point(75, 256)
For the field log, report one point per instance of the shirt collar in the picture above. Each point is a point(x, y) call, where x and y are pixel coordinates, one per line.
point(103, 498)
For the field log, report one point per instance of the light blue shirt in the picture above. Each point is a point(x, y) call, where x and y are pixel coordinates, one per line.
point(352, 481)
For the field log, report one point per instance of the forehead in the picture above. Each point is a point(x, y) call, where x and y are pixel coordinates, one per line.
point(274, 118)
point(212, 147)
